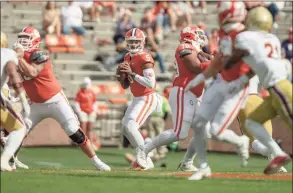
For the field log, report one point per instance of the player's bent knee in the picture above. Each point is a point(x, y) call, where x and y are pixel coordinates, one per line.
point(78, 137)
point(130, 124)
point(184, 130)
point(71, 126)
point(182, 136)
point(199, 124)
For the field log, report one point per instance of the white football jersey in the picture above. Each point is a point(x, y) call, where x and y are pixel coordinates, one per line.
point(264, 56)
point(6, 56)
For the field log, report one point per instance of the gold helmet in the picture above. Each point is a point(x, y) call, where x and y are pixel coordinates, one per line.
point(259, 19)
point(4, 43)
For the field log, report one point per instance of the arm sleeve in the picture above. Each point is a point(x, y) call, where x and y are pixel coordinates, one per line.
point(148, 79)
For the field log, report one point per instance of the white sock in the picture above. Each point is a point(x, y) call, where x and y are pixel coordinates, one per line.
point(164, 138)
point(260, 148)
point(191, 152)
point(229, 136)
point(96, 160)
point(200, 139)
point(14, 141)
point(133, 135)
point(259, 132)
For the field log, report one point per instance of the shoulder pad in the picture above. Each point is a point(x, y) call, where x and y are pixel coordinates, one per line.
point(185, 49)
point(39, 57)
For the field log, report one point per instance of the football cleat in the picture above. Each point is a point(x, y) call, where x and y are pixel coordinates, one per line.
point(275, 165)
point(243, 151)
point(187, 167)
point(201, 173)
point(101, 166)
point(19, 164)
point(141, 157)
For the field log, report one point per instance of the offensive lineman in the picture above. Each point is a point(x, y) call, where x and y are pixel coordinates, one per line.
point(189, 62)
point(45, 92)
point(9, 118)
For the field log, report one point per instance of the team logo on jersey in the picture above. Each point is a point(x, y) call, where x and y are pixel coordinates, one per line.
point(150, 75)
point(191, 102)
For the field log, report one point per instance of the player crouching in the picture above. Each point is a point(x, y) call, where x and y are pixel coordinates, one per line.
point(137, 71)
point(45, 92)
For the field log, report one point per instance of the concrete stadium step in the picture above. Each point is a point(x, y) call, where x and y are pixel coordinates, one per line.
point(72, 75)
point(29, 6)
point(94, 75)
point(87, 55)
point(78, 65)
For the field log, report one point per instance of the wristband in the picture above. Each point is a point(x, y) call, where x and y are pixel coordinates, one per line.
point(133, 75)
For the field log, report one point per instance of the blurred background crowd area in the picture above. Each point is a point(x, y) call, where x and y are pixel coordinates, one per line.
point(86, 39)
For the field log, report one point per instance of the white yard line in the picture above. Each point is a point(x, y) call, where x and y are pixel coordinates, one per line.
point(50, 164)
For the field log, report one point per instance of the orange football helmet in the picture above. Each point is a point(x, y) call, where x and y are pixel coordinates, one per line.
point(231, 11)
point(193, 35)
point(135, 40)
point(29, 38)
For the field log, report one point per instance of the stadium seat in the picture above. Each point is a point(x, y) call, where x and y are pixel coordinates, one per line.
point(102, 109)
point(64, 43)
point(116, 94)
point(99, 89)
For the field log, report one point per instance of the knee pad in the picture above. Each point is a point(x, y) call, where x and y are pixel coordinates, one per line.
point(71, 126)
point(78, 137)
point(199, 124)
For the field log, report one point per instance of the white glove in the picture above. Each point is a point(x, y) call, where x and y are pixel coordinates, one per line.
point(17, 45)
point(237, 85)
point(194, 82)
point(18, 48)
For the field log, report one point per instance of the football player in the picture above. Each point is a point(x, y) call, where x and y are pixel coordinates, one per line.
point(14, 161)
point(188, 63)
point(220, 104)
point(262, 51)
point(45, 92)
point(12, 121)
point(137, 72)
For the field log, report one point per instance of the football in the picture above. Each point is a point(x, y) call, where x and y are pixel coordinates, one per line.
point(122, 77)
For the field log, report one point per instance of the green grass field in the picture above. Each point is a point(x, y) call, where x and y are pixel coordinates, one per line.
point(67, 170)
